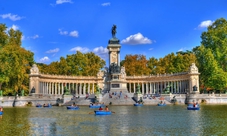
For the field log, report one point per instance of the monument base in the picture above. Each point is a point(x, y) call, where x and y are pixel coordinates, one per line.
point(118, 86)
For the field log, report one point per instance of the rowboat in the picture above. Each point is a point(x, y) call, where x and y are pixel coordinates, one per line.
point(96, 106)
point(138, 104)
point(47, 106)
point(38, 105)
point(1, 112)
point(72, 107)
point(102, 112)
point(161, 104)
point(191, 107)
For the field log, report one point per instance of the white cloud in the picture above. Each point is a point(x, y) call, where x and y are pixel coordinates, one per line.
point(81, 49)
point(33, 37)
point(150, 49)
point(181, 49)
point(205, 23)
point(74, 34)
point(136, 39)
point(63, 1)
point(14, 27)
point(11, 17)
point(106, 4)
point(53, 51)
point(44, 59)
point(62, 32)
point(101, 52)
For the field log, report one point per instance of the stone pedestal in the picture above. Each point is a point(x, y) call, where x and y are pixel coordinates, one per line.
point(117, 86)
point(138, 96)
point(67, 98)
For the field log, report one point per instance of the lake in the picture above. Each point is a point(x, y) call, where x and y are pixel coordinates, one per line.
point(127, 120)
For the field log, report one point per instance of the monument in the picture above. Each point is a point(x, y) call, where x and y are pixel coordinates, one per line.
point(115, 74)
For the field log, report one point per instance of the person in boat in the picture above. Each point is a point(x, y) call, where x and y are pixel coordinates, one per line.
point(73, 104)
point(106, 109)
point(100, 108)
point(1, 109)
point(194, 104)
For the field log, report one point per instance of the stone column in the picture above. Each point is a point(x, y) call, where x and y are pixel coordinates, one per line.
point(80, 88)
point(142, 88)
point(93, 86)
point(130, 87)
point(134, 87)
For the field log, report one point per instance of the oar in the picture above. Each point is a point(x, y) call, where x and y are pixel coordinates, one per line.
point(113, 112)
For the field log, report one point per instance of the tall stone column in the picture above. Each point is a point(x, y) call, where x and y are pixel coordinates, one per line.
point(134, 87)
point(142, 88)
point(130, 88)
point(34, 80)
point(193, 79)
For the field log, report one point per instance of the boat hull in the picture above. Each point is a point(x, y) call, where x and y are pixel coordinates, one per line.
point(72, 107)
point(138, 105)
point(100, 112)
point(48, 106)
point(193, 108)
point(161, 104)
point(38, 106)
point(96, 106)
point(1, 112)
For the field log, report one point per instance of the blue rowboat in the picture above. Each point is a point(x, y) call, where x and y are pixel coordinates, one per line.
point(161, 104)
point(1, 112)
point(39, 106)
point(47, 106)
point(138, 104)
point(72, 107)
point(102, 112)
point(191, 107)
point(96, 106)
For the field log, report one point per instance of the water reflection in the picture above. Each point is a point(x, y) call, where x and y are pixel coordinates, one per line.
point(127, 120)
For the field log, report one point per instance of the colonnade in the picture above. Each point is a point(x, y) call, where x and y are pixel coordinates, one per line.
point(147, 87)
point(57, 88)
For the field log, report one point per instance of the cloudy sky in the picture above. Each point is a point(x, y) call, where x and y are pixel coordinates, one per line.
point(55, 28)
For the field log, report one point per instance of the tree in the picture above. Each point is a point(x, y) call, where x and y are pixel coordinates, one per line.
point(215, 38)
point(136, 65)
point(78, 64)
point(152, 64)
point(212, 75)
point(15, 61)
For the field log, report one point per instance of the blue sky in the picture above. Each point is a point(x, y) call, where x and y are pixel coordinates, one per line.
point(154, 28)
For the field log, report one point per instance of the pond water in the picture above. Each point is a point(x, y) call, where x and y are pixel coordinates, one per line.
point(127, 120)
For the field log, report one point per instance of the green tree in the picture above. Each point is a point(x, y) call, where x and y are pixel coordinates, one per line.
point(215, 38)
point(152, 64)
point(78, 64)
point(212, 75)
point(15, 61)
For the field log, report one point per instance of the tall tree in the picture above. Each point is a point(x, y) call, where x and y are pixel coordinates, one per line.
point(215, 38)
point(15, 61)
point(212, 75)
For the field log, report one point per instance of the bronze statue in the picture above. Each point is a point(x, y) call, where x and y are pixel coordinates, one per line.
point(114, 31)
